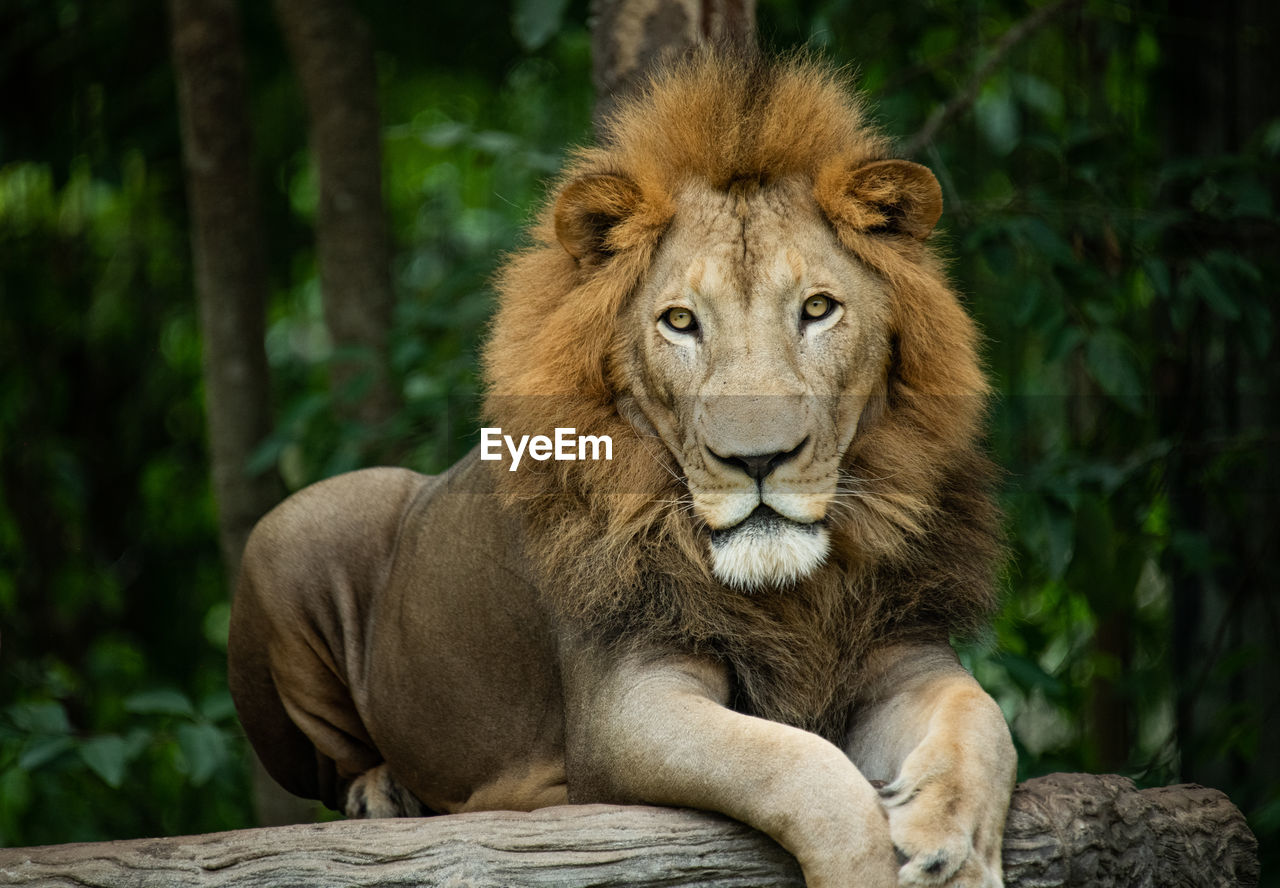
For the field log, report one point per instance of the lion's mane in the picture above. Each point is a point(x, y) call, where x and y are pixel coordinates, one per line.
point(915, 538)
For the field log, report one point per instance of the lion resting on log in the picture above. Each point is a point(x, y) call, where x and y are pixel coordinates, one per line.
point(747, 608)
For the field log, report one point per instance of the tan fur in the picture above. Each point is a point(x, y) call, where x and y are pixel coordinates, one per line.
point(492, 638)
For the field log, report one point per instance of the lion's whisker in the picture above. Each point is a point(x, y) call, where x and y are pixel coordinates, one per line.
point(655, 458)
point(846, 475)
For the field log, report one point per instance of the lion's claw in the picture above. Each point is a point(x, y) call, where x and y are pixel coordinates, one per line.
point(934, 867)
point(896, 794)
point(934, 838)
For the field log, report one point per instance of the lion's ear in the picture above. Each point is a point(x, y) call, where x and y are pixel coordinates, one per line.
point(885, 197)
point(589, 209)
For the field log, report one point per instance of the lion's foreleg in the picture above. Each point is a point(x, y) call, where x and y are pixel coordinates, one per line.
point(941, 744)
point(657, 731)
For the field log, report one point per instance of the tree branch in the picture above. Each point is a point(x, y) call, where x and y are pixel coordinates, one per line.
point(968, 94)
point(1063, 830)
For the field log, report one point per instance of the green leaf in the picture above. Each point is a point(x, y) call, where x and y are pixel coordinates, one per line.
point(1029, 674)
point(1158, 273)
point(1206, 284)
point(1039, 94)
point(495, 142)
point(534, 22)
point(1048, 531)
point(1102, 313)
point(1048, 243)
point(266, 455)
point(44, 717)
point(1110, 362)
point(204, 748)
point(997, 116)
point(1000, 257)
point(107, 756)
point(1063, 342)
point(136, 741)
point(159, 702)
point(445, 134)
point(217, 706)
point(217, 624)
point(1232, 265)
point(43, 749)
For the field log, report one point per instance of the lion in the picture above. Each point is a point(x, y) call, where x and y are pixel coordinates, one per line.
point(748, 608)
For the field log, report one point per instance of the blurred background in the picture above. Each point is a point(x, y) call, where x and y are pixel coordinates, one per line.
point(1110, 173)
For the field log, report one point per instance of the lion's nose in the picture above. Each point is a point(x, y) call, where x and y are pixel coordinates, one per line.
point(758, 466)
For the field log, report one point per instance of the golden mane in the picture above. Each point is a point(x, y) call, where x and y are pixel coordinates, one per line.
point(915, 550)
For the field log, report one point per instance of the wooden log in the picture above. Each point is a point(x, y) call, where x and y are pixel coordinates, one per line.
point(1099, 829)
point(1063, 830)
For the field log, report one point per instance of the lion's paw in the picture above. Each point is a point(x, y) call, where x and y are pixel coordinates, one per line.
point(377, 793)
point(934, 830)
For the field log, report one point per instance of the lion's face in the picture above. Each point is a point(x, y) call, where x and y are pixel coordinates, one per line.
point(760, 340)
point(737, 286)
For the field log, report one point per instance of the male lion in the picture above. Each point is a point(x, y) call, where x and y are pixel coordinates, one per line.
point(748, 608)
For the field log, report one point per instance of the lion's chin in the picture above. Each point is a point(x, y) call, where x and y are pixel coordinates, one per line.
point(767, 550)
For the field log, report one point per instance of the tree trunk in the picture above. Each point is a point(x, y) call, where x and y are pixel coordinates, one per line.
point(332, 52)
point(630, 37)
point(231, 287)
point(1063, 830)
point(228, 257)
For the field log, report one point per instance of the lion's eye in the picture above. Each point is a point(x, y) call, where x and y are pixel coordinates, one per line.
point(817, 307)
point(680, 319)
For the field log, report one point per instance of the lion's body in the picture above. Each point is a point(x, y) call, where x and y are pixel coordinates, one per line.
point(748, 607)
point(440, 622)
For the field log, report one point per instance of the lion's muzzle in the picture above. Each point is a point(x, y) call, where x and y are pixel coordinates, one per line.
point(767, 549)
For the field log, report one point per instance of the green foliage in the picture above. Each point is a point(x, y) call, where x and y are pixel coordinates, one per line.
point(1117, 282)
point(114, 718)
point(1099, 262)
point(534, 22)
point(466, 163)
point(59, 784)
point(104, 500)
